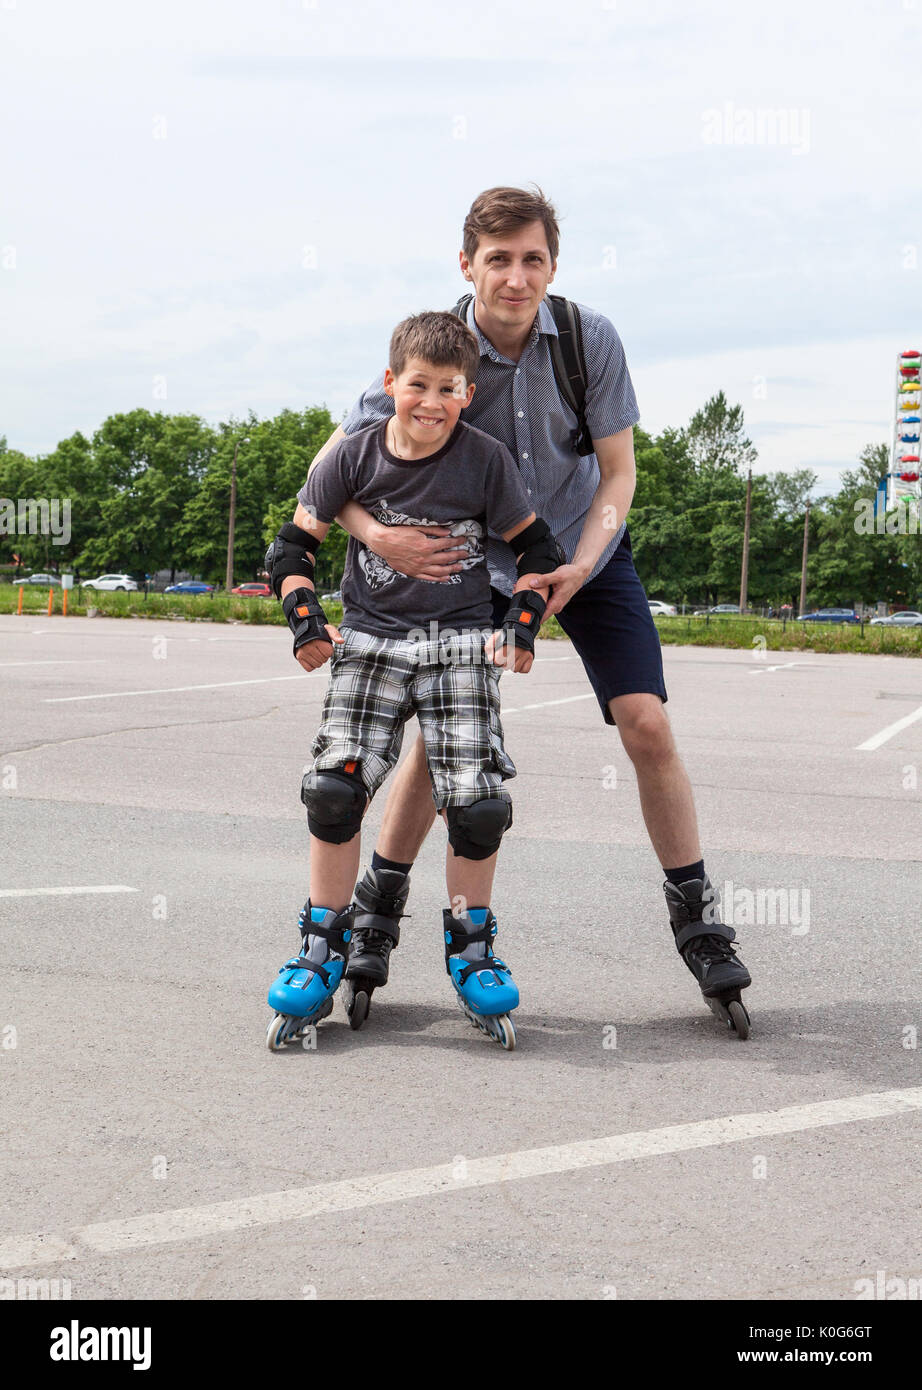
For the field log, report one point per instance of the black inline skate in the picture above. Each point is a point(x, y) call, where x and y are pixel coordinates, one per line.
point(378, 906)
point(703, 942)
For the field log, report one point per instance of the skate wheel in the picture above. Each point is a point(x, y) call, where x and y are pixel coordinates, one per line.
point(739, 1019)
point(359, 1010)
point(506, 1032)
point(275, 1033)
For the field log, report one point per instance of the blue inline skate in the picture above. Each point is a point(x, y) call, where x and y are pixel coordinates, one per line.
point(487, 993)
point(303, 992)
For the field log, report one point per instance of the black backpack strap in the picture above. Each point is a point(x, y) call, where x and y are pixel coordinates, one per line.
point(460, 309)
point(569, 362)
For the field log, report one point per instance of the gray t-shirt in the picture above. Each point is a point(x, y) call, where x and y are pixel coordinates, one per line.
point(471, 484)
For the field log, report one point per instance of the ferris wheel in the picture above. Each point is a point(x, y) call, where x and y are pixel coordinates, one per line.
point(903, 480)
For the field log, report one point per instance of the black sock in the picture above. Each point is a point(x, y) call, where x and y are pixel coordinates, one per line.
point(682, 875)
point(379, 862)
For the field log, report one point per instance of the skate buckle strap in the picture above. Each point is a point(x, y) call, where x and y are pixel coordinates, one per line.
point(692, 930)
point(487, 963)
point(332, 933)
point(302, 963)
point(456, 934)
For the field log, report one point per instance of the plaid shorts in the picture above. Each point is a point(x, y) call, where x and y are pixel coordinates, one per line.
point(378, 683)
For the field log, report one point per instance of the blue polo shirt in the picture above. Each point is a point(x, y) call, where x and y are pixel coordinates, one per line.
point(519, 404)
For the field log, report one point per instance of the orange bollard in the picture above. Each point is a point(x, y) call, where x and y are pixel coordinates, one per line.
point(50, 601)
point(63, 603)
point(19, 605)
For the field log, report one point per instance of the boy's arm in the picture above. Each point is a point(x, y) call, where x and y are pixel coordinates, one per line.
point(537, 555)
point(290, 562)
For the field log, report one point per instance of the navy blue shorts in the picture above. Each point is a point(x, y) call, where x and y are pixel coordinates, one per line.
point(609, 623)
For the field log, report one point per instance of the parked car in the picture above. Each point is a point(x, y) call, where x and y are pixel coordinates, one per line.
point(907, 618)
point(190, 586)
point(47, 581)
point(252, 591)
point(830, 615)
point(112, 581)
point(726, 608)
point(335, 597)
point(660, 609)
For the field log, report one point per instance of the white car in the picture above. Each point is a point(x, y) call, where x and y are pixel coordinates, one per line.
point(659, 609)
point(905, 619)
point(112, 581)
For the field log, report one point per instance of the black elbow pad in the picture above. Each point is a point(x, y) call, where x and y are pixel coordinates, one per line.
point(537, 549)
point(292, 552)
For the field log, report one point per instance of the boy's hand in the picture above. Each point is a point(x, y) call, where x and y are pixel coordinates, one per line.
point(315, 654)
point(500, 652)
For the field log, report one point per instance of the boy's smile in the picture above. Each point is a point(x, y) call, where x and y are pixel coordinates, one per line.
point(427, 403)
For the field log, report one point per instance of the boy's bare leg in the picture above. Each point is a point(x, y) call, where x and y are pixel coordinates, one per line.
point(334, 869)
point(469, 881)
point(409, 812)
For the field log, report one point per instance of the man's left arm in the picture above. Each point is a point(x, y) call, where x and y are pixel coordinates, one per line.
point(610, 505)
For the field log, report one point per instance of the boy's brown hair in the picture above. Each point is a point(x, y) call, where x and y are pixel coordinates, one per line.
point(438, 338)
point(501, 211)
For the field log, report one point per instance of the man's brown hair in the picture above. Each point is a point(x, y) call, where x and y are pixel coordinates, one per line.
point(436, 337)
point(502, 211)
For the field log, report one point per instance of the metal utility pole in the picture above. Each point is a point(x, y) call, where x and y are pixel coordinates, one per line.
point(803, 565)
point(744, 574)
point(229, 577)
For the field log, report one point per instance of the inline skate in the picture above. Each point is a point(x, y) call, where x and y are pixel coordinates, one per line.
point(378, 907)
point(486, 991)
point(703, 942)
point(303, 992)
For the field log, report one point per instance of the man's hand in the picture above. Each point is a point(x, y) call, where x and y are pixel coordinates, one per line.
point(422, 552)
point(564, 583)
point(315, 654)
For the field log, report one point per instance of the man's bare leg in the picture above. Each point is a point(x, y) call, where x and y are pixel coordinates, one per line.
point(409, 810)
point(666, 796)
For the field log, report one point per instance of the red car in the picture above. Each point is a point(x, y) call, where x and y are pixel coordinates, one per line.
point(253, 591)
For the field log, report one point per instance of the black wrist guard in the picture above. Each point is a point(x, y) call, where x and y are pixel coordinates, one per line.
point(538, 550)
point(306, 617)
point(292, 552)
point(523, 619)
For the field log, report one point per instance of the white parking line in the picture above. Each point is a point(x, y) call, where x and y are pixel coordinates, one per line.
point(176, 689)
point(876, 740)
point(55, 892)
point(782, 667)
point(60, 661)
point(542, 704)
point(273, 1208)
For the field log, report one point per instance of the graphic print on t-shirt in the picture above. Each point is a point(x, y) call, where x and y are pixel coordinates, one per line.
point(378, 573)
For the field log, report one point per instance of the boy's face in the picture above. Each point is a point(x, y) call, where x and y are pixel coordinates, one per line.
point(511, 274)
point(428, 400)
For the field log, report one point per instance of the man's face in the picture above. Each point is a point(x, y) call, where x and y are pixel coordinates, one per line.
point(511, 274)
point(428, 400)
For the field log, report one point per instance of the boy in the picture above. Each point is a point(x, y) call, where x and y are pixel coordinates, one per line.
point(409, 646)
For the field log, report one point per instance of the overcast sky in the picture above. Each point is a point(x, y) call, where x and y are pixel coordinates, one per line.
point(217, 205)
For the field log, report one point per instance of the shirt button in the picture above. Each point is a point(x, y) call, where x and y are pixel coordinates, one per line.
point(524, 456)
point(518, 370)
point(521, 413)
point(529, 492)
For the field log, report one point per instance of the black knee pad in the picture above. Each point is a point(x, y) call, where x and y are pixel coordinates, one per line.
point(335, 801)
point(475, 831)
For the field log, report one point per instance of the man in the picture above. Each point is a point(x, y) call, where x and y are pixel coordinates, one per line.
point(509, 255)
